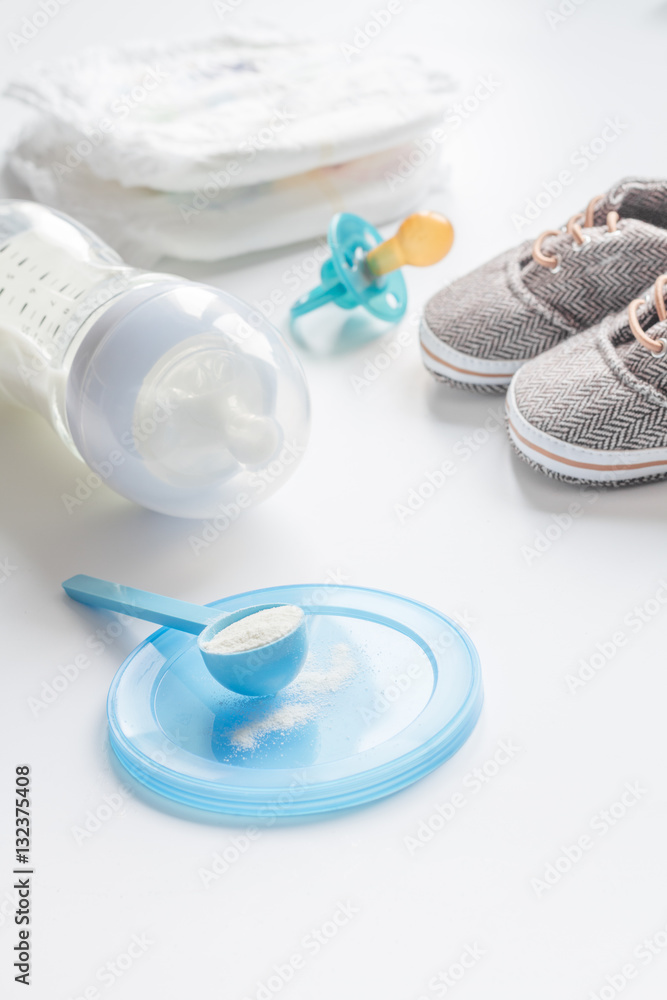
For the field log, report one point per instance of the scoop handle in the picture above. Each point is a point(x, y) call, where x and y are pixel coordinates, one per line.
point(139, 603)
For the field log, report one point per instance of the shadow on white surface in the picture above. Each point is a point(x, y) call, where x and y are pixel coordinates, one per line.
point(641, 501)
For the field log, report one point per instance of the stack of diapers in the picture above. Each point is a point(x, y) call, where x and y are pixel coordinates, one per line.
point(213, 148)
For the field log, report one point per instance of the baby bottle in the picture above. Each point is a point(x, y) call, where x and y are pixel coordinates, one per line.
point(176, 394)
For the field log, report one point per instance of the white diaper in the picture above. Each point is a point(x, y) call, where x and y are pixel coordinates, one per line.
point(212, 148)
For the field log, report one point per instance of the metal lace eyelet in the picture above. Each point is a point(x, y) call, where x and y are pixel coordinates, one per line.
point(557, 266)
point(663, 350)
point(579, 246)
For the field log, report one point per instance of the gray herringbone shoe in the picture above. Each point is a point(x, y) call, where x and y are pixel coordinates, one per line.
point(594, 409)
point(479, 330)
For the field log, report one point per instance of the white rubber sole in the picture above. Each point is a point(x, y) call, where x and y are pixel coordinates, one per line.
point(464, 368)
point(574, 462)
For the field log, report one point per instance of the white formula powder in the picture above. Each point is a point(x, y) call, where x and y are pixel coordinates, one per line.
point(256, 630)
point(309, 691)
point(340, 669)
point(280, 720)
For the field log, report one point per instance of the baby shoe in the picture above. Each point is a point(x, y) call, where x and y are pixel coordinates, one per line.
point(594, 409)
point(478, 331)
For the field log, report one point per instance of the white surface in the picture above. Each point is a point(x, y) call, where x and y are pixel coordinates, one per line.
point(468, 550)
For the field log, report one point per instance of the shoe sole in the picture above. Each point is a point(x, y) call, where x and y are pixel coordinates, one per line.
point(581, 465)
point(463, 370)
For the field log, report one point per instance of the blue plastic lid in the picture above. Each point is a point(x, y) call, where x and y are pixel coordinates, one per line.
point(391, 688)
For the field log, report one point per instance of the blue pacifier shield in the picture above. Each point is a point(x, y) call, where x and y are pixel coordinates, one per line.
point(389, 690)
point(345, 279)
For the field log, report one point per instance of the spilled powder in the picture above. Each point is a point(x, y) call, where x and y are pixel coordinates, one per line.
point(307, 689)
point(281, 719)
point(340, 669)
point(256, 630)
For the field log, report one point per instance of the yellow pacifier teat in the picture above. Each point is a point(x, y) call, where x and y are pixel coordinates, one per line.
point(423, 239)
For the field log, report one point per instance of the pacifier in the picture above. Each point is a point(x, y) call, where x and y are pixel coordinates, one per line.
point(364, 269)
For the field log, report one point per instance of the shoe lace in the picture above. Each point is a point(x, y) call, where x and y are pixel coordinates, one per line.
point(657, 345)
point(579, 221)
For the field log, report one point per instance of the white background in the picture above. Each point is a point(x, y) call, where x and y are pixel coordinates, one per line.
point(533, 618)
